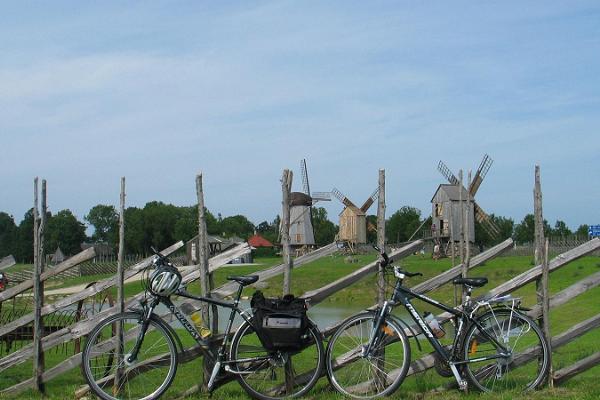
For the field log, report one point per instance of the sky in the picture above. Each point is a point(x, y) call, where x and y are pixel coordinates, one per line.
point(160, 91)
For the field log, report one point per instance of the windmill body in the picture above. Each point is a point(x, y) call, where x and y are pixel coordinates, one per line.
point(302, 236)
point(301, 229)
point(446, 210)
point(353, 220)
point(446, 214)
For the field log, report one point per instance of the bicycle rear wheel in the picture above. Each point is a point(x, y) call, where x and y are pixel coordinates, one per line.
point(526, 366)
point(270, 375)
point(109, 374)
point(364, 376)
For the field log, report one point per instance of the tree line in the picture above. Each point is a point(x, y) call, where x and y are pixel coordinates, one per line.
point(160, 225)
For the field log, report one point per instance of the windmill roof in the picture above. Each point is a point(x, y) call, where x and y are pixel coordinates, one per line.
point(355, 210)
point(452, 192)
point(300, 199)
point(259, 241)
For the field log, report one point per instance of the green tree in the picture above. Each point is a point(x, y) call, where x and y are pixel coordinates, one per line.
point(525, 231)
point(402, 224)
point(159, 224)
point(8, 235)
point(64, 231)
point(24, 245)
point(323, 228)
point(582, 231)
point(237, 225)
point(135, 236)
point(561, 229)
point(371, 233)
point(105, 220)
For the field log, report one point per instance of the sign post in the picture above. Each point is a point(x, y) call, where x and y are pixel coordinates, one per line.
point(594, 230)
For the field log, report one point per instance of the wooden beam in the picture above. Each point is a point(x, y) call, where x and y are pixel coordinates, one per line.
point(317, 295)
point(85, 255)
point(580, 366)
point(38, 295)
point(381, 236)
point(286, 186)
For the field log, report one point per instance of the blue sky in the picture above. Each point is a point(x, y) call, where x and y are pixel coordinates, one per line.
point(159, 91)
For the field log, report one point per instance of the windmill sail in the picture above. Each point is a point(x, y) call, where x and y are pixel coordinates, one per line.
point(341, 197)
point(304, 173)
point(447, 173)
point(486, 222)
point(370, 200)
point(482, 171)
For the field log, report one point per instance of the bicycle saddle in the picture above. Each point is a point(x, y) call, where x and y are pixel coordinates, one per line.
point(473, 282)
point(243, 280)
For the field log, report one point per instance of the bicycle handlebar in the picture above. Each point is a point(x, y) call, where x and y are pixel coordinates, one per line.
point(386, 261)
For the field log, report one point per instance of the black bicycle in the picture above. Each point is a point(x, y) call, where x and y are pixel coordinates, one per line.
point(144, 366)
point(496, 347)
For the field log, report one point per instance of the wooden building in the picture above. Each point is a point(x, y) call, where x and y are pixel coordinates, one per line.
point(446, 213)
point(353, 225)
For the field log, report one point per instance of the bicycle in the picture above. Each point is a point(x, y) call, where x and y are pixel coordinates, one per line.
point(144, 366)
point(496, 347)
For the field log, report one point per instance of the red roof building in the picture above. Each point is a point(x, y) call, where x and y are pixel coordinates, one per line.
point(259, 241)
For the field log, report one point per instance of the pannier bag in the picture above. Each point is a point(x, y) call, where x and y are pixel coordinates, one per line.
point(280, 324)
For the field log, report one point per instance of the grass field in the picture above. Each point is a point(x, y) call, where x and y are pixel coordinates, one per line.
point(362, 294)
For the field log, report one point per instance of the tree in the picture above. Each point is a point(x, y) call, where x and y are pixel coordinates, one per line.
point(135, 236)
point(8, 235)
point(105, 220)
point(64, 231)
point(237, 225)
point(24, 245)
point(525, 231)
point(402, 224)
point(561, 229)
point(323, 228)
point(582, 231)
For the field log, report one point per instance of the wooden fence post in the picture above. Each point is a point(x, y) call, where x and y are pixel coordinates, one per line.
point(202, 247)
point(381, 235)
point(546, 312)
point(286, 186)
point(461, 248)
point(38, 285)
point(120, 288)
point(467, 225)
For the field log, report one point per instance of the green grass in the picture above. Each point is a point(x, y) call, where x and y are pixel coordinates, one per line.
point(362, 294)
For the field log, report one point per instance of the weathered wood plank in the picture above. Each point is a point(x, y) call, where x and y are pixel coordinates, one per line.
point(580, 366)
point(38, 295)
point(7, 262)
point(230, 288)
point(381, 236)
point(83, 256)
point(286, 186)
point(317, 295)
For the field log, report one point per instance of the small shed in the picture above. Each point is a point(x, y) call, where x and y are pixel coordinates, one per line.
point(446, 210)
point(57, 257)
point(353, 225)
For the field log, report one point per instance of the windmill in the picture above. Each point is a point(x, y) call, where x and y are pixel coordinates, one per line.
point(353, 220)
point(484, 219)
point(301, 229)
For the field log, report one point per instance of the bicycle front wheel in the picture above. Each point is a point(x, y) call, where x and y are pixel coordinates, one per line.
point(355, 373)
point(267, 375)
point(489, 368)
point(109, 371)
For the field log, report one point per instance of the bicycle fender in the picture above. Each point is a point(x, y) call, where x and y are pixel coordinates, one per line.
point(407, 326)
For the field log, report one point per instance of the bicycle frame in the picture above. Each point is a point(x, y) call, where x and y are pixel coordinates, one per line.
point(403, 295)
point(220, 357)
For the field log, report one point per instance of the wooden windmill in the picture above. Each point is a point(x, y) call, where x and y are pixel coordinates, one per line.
point(353, 220)
point(484, 219)
point(301, 228)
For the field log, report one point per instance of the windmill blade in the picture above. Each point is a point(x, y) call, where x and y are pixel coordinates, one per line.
point(304, 173)
point(321, 196)
point(444, 170)
point(486, 222)
point(371, 227)
point(341, 197)
point(482, 171)
point(370, 200)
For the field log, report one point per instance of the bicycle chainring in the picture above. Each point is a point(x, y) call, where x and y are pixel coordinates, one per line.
point(442, 367)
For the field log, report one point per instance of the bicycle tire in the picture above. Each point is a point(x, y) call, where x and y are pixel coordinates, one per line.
point(505, 374)
point(152, 361)
point(352, 336)
point(246, 344)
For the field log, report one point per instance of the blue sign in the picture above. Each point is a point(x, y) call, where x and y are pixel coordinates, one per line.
point(594, 230)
